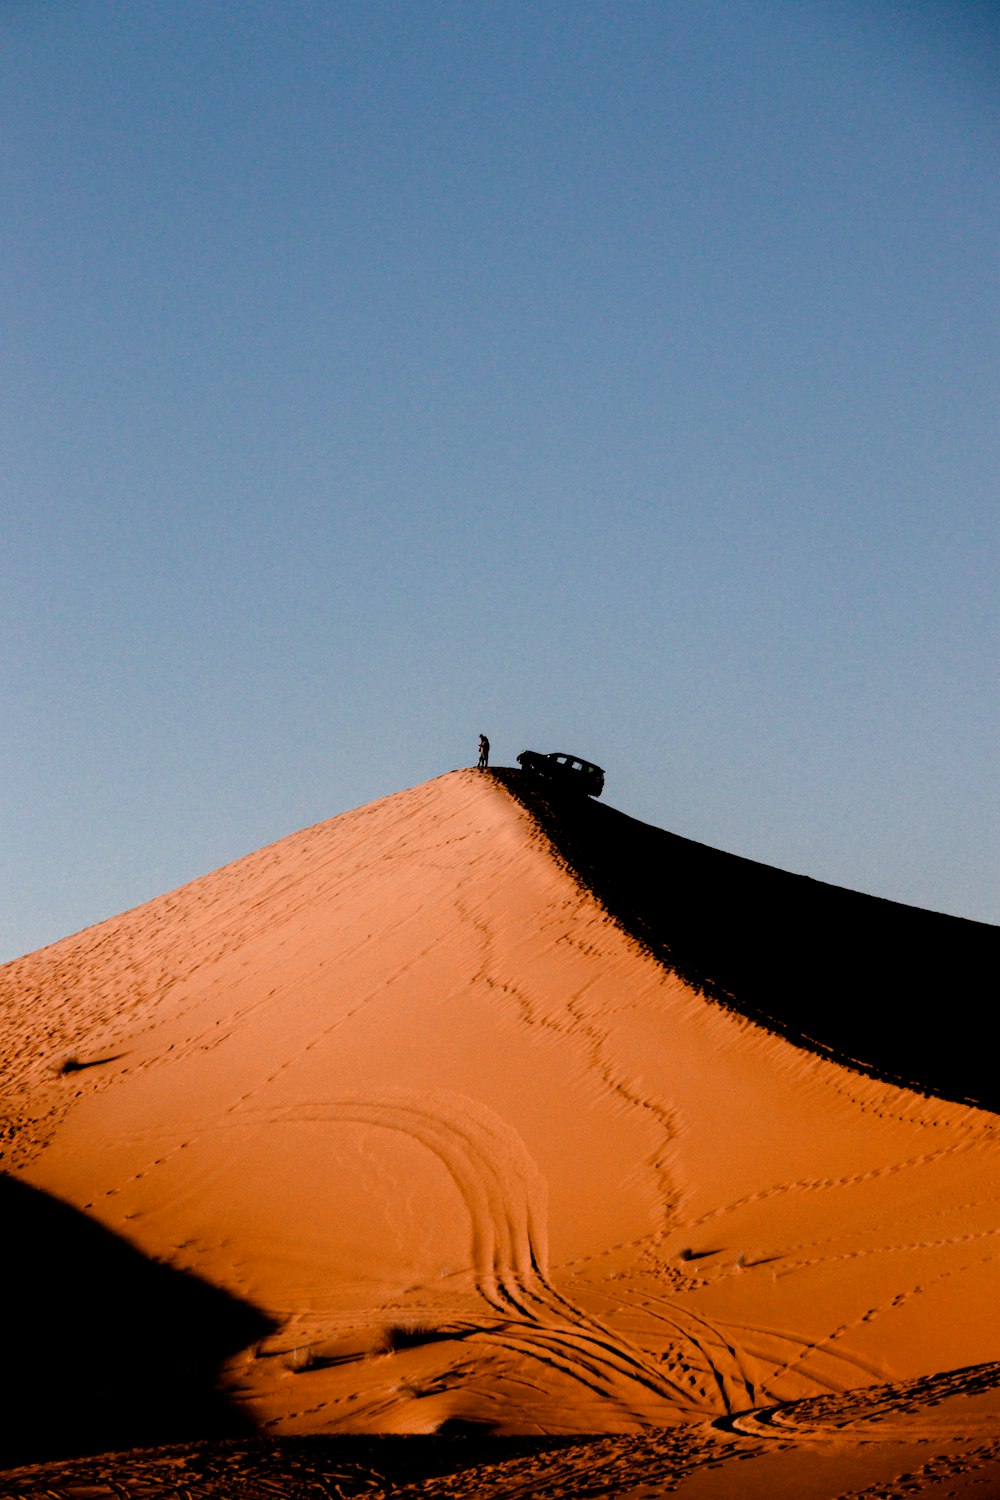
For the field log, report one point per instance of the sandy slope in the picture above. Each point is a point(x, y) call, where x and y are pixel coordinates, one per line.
point(402, 1085)
point(927, 1438)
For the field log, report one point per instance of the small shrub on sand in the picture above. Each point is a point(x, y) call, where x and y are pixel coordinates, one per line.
point(303, 1358)
point(396, 1336)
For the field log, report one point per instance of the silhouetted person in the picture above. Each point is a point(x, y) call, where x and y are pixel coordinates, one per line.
point(484, 752)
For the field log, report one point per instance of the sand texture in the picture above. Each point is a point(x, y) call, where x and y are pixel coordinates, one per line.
point(610, 1165)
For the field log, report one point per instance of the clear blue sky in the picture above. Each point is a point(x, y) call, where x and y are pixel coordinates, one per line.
point(612, 377)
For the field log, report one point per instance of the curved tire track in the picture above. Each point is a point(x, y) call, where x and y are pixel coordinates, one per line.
point(506, 1198)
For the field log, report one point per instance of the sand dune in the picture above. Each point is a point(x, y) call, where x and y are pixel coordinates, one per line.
point(501, 1117)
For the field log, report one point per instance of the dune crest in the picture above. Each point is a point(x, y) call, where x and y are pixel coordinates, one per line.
point(402, 1083)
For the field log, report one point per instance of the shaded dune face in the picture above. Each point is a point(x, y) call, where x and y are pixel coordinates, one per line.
point(84, 1312)
point(480, 1156)
point(882, 987)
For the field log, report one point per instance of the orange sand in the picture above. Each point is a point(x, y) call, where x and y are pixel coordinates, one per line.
point(400, 1083)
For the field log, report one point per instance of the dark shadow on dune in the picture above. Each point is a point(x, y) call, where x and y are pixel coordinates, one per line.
point(103, 1347)
point(465, 1427)
point(394, 1339)
point(75, 1065)
point(398, 1336)
point(886, 989)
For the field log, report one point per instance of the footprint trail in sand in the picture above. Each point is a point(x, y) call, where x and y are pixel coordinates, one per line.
point(403, 1070)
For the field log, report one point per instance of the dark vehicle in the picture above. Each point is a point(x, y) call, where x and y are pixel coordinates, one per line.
point(565, 771)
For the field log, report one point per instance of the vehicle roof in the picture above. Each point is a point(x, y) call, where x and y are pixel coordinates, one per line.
point(567, 755)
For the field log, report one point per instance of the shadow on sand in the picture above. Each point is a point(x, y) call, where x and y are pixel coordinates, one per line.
point(104, 1347)
point(887, 989)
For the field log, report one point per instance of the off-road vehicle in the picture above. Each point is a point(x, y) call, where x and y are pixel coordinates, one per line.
point(568, 772)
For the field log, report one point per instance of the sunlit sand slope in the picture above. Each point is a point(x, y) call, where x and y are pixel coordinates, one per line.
point(402, 1084)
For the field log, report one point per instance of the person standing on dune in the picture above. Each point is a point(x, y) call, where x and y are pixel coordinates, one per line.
point(484, 753)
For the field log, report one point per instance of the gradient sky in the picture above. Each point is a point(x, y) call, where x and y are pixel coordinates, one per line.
point(611, 377)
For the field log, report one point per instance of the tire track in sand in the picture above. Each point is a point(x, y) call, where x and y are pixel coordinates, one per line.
point(506, 1198)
